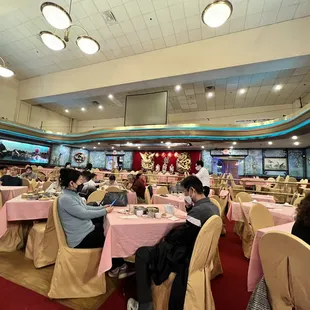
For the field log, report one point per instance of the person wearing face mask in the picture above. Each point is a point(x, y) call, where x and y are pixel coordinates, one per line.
point(173, 252)
point(203, 176)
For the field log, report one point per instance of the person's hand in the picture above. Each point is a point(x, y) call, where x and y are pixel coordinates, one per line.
point(109, 209)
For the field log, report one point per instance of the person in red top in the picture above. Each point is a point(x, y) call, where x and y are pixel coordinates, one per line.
point(139, 187)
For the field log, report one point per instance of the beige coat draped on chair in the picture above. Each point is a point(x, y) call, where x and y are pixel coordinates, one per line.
point(75, 272)
point(198, 293)
point(285, 260)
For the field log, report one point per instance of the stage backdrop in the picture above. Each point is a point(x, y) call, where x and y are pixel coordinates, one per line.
point(161, 155)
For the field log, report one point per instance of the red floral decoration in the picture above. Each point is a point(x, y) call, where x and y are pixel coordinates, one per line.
point(163, 154)
point(157, 155)
point(176, 154)
point(169, 154)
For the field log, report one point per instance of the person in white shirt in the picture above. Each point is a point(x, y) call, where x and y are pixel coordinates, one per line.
point(203, 176)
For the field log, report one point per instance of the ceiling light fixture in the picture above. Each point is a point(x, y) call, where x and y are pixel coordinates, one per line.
point(112, 147)
point(242, 91)
point(98, 143)
point(168, 146)
point(217, 13)
point(270, 143)
point(83, 109)
point(210, 94)
point(278, 87)
point(4, 71)
point(296, 143)
point(138, 147)
point(234, 143)
point(59, 18)
point(100, 107)
point(231, 147)
point(178, 87)
point(202, 147)
point(161, 141)
point(294, 137)
point(83, 147)
point(67, 111)
point(94, 147)
point(168, 143)
point(111, 96)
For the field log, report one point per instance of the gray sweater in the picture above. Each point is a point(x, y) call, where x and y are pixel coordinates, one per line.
point(75, 217)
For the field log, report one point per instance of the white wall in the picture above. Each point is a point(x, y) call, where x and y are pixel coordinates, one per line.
point(8, 97)
point(229, 116)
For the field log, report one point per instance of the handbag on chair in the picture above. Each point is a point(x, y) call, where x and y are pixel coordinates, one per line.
point(121, 199)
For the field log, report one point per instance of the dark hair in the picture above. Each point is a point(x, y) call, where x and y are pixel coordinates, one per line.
point(303, 211)
point(193, 182)
point(67, 163)
point(4, 167)
point(89, 166)
point(29, 168)
point(92, 175)
point(86, 175)
point(112, 178)
point(199, 163)
point(67, 175)
point(138, 175)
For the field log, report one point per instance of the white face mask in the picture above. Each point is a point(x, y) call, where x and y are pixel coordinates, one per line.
point(197, 168)
point(188, 200)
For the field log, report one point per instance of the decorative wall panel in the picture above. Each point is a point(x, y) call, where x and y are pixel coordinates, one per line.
point(296, 163)
point(254, 163)
point(60, 155)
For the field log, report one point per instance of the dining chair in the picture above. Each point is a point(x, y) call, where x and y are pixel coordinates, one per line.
point(46, 185)
point(162, 190)
point(113, 189)
point(96, 196)
point(285, 260)
point(75, 272)
point(244, 197)
point(198, 291)
point(147, 196)
point(260, 217)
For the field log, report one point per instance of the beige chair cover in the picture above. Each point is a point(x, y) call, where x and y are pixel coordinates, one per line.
point(113, 189)
point(42, 244)
point(245, 197)
point(75, 272)
point(26, 182)
point(162, 190)
point(96, 196)
point(198, 293)
point(285, 260)
point(247, 236)
point(147, 196)
point(260, 217)
point(217, 201)
point(298, 201)
point(46, 185)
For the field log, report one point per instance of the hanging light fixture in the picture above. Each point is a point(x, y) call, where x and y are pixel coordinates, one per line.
point(87, 44)
point(55, 15)
point(59, 18)
point(4, 71)
point(217, 13)
point(52, 41)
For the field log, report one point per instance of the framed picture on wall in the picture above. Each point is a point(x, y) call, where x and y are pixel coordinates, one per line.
point(276, 164)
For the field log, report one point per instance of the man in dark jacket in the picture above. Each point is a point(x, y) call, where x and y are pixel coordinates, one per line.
point(174, 252)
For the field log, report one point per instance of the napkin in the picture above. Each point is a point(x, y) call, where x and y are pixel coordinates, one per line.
point(128, 217)
point(173, 218)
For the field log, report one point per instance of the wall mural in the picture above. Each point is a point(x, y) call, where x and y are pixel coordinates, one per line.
point(296, 163)
point(184, 162)
point(275, 164)
point(207, 160)
point(147, 160)
point(60, 155)
point(97, 159)
point(253, 163)
point(79, 158)
point(308, 162)
point(275, 153)
point(127, 163)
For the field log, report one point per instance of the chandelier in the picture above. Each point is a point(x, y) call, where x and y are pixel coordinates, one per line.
point(217, 13)
point(4, 71)
point(59, 18)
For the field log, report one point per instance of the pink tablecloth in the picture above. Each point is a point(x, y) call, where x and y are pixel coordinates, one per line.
point(177, 201)
point(18, 209)
point(255, 271)
point(125, 236)
point(281, 214)
point(263, 198)
point(9, 192)
point(167, 179)
point(132, 198)
point(253, 181)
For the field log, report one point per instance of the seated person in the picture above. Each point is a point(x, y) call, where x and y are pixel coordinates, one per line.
point(301, 228)
point(55, 186)
point(139, 187)
point(77, 220)
point(173, 252)
point(129, 182)
point(3, 170)
point(88, 167)
point(29, 174)
point(68, 165)
point(12, 179)
point(111, 181)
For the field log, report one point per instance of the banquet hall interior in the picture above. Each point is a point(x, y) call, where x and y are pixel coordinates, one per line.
point(148, 92)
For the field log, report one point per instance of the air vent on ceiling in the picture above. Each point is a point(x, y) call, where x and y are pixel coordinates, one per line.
point(109, 18)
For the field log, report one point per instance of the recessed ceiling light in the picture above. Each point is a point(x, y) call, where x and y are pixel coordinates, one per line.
point(294, 137)
point(278, 87)
point(67, 111)
point(83, 109)
point(217, 13)
point(94, 147)
point(178, 87)
point(100, 107)
point(296, 143)
point(234, 143)
point(270, 142)
point(210, 94)
point(202, 147)
point(112, 147)
point(138, 147)
point(98, 143)
point(161, 141)
point(55, 15)
point(168, 143)
point(110, 96)
point(231, 147)
point(83, 147)
point(168, 146)
point(129, 143)
point(242, 91)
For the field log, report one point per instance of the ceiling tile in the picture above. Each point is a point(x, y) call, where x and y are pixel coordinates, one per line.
point(159, 43)
point(138, 48)
point(120, 13)
point(272, 4)
point(116, 30)
point(255, 6)
point(88, 6)
point(132, 8)
point(138, 22)
point(144, 35)
point(133, 38)
point(252, 21)
point(182, 38)
point(160, 4)
point(122, 41)
point(102, 5)
point(240, 9)
point(114, 3)
point(194, 35)
point(150, 19)
point(302, 10)
point(167, 29)
point(269, 17)
point(193, 22)
point(237, 24)
point(286, 13)
point(176, 11)
point(145, 6)
point(179, 25)
point(163, 15)
point(170, 41)
point(155, 32)
point(127, 27)
point(191, 8)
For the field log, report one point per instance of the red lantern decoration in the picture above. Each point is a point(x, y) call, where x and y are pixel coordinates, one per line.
point(157, 155)
point(163, 154)
point(169, 154)
point(176, 154)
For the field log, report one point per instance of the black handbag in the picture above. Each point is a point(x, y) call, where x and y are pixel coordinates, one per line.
point(121, 199)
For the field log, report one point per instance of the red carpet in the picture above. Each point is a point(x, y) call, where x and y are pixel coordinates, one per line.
point(229, 290)
point(16, 297)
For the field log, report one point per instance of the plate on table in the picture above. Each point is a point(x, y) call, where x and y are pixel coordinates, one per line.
point(166, 216)
point(122, 211)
